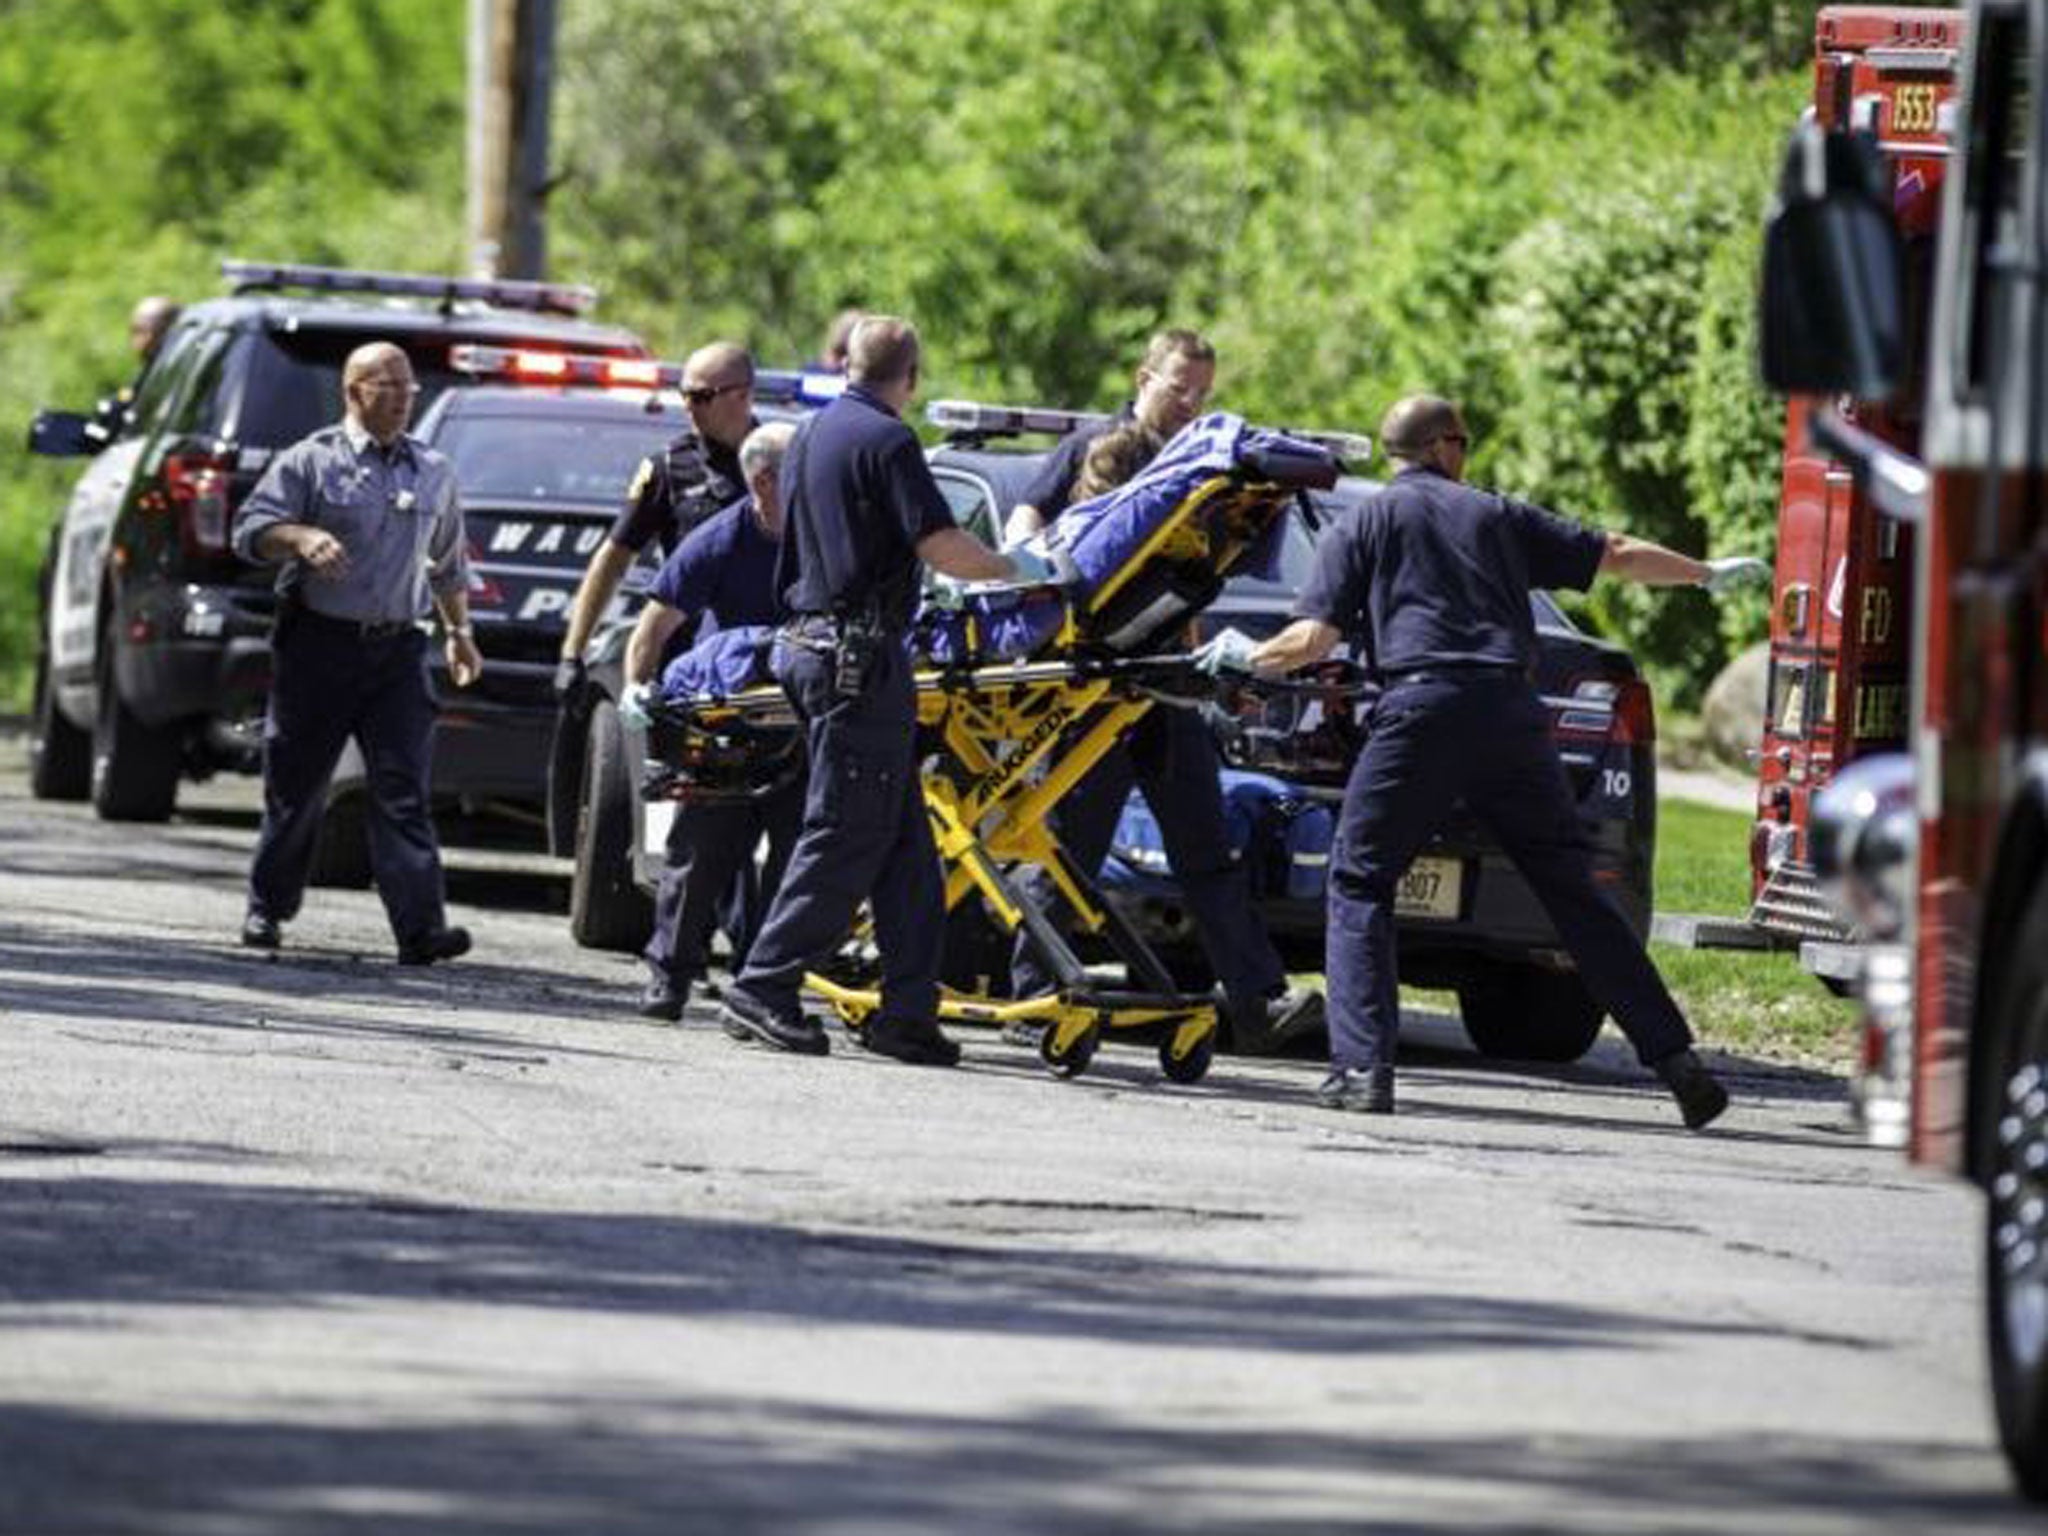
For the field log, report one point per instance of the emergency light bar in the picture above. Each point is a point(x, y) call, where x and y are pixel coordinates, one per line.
point(772, 386)
point(788, 386)
point(536, 367)
point(1354, 448)
point(507, 293)
point(965, 416)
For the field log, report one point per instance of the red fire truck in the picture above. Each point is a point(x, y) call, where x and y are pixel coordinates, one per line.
point(1942, 851)
point(1843, 589)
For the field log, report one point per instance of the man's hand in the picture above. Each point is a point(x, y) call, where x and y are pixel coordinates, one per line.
point(465, 661)
point(633, 705)
point(1733, 571)
point(323, 553)
point(1228, 650)
point(570, 676)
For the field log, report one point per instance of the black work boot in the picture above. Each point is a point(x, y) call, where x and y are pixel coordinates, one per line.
point(664, 997)
point(917, 1041)
point(260, 932)
point(1364, 1091)
point(1700, 1097)
point(1265, 1026)
point(745, 1019)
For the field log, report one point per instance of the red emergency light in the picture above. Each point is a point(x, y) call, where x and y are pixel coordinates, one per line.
point(537, 367)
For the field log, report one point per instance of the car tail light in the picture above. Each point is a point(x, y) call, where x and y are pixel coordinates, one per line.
point(196, 487)
point(1635, 711)
point(1608, 708)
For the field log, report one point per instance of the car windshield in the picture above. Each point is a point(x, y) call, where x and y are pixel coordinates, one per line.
point(539, 458)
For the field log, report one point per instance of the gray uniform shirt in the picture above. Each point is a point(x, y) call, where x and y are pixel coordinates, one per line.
point(396, 513)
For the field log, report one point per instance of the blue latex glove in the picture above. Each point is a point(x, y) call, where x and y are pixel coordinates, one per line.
point(1733, 571)
point(1031, 566)
point(1228, 650)
point(633, 706)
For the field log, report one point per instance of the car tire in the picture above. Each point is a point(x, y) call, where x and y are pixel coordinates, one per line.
point(607, 910)
point(2012, 1120)
point(59, 753)
point(341, 848)
point(135, 766)
point(1526, 1013)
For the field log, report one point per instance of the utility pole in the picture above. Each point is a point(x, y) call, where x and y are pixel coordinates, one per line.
point(511, 78)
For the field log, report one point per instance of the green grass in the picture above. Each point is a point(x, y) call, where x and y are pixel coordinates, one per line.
point(1752, 1004)
point(1744, 1002)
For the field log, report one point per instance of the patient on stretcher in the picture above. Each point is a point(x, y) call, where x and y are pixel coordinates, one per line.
point(1094, 538)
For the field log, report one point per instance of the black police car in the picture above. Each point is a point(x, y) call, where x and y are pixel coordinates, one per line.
point(543, 462)
point(153, 658)
point(1467, 920)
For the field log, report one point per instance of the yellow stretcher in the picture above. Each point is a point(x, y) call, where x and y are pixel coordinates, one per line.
point(1009, 740)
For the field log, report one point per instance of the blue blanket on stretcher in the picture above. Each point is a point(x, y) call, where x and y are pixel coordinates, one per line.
point(1102, 535)
point(720, 665)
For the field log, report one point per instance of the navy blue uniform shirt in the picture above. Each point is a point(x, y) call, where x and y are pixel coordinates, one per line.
point(1435, 573)
point(859, 499)
point(724, 569)
point(675, 490)
point(1052, 488)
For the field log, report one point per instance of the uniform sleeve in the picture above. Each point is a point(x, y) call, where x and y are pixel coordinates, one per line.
point(1052, 488)
point(447, 546)
point(647, 506)
point(1560, 552)
point(283, 495)
point(1336, 590)
point(688, 578)
point(912, 491)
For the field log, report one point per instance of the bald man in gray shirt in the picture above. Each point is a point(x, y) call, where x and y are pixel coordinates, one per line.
point(365, 522)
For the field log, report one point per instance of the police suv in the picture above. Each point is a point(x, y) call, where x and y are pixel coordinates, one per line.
point(153, 653)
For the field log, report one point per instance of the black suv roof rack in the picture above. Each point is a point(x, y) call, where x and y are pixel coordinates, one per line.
point(506, 293)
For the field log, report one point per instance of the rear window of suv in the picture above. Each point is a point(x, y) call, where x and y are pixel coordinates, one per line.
point(536, 458)
point(290, 384)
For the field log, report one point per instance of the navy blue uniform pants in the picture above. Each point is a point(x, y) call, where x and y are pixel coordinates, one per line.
point(1171, 757)
point(865, 837)
point(710, 872)
point(330, 683)
point(1486, 741)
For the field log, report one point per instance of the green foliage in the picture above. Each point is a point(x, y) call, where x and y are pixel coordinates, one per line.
point(1543, 208)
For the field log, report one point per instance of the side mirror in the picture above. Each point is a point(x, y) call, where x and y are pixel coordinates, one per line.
point(1833, 320)
point(64, 435)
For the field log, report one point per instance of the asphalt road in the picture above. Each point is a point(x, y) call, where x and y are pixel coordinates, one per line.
point(316, 1245)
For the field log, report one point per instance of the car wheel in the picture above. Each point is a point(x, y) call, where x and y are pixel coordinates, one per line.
point(607, 910)
point(341, 848)
point(1525, 1013)
point(135, 766)
point(2013, 1119)
point(59, 753)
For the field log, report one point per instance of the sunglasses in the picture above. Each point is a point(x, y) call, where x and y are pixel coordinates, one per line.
point(704, 394)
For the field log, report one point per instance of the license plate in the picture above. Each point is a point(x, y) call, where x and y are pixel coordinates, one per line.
point(1431, 888)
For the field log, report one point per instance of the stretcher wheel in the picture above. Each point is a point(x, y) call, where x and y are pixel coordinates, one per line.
point(1192, 1067)
point(1073, 1061)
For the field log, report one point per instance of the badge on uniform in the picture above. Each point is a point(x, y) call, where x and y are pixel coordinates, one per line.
point(404, 501)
